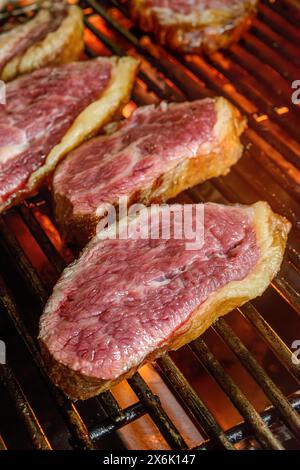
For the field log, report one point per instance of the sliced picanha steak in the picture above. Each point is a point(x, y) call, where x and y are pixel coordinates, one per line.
point(194, 25)
point(128, 300)
point(49, 112)
point(152, 156)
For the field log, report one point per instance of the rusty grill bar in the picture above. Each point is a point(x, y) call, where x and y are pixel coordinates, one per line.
point(245, 74)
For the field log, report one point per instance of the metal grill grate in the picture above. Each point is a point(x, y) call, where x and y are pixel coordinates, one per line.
point(256, 76)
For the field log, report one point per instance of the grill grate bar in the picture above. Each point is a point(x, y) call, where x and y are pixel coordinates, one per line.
point(108, 18)
point(111, 405)
point(170, 67)
point(278, 22)
point(35, 431)
point(290, 9)
point(69, 411)
point(262, 42)
point(251, 62)
point(287, 291)
point(194, 405)
point(282, 171)
point(52, 254)
point(276, 344)
point(249, 87)
point(290, 417)
point(274, 136)
point(257, 188)
point(130, 414)
point(24, 266)
point(261, 431)
point(242, 431)
point(153, 405)
point(280, 37)
point(166, 93)
point(163, 90)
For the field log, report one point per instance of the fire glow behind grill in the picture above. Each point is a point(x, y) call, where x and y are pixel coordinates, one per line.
point(236, 386)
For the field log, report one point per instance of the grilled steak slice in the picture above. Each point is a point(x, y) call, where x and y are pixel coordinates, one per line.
point(52, 110)
point(53, 36)
point(154, 155)
point(194, 25)
point(128, 300)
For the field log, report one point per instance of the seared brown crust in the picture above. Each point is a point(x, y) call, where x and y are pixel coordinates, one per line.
point(59, 47)
point(194, 36)
point(226, 151)
point(88, 123)
point(271, 233)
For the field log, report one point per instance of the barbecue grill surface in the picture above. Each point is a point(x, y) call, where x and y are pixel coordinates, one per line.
point(237, 385)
